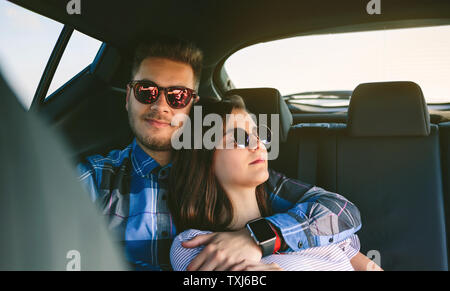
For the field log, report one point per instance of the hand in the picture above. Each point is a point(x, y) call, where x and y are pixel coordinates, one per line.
point(245, 266)
point(224, 250)
point(362, 263)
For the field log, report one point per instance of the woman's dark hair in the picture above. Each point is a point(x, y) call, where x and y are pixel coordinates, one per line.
point(196, 198)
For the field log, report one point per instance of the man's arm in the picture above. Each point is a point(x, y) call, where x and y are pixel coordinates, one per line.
point(86, 177)
point(306, 217)
point(309, 216)
point(181, 257)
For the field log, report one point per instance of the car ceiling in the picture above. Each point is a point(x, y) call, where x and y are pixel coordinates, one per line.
point(220, 27)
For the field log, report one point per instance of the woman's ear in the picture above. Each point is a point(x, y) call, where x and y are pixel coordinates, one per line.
point(196, 99)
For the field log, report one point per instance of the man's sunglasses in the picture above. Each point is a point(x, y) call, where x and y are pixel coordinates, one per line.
point(242, 139)
point(148, 92)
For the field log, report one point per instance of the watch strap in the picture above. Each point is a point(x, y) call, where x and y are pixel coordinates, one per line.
point(268, 248)
point(277, 245)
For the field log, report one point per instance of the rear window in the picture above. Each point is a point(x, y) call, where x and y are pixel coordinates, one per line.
point(27, 40)
point(324, 69)
point(79, 53)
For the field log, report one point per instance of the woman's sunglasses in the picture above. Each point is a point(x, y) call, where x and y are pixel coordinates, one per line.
point(148, 92)
point(242, 139)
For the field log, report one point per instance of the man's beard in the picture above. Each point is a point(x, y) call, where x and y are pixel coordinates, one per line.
point(148, 141)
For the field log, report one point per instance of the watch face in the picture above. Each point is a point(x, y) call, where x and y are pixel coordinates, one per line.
point(262, 230)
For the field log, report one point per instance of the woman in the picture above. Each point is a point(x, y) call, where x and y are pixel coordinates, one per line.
point(223, 189)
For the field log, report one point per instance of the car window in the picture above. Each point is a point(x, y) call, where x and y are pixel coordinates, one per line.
point(79, 53)
point(324, 69)
point(27, 40)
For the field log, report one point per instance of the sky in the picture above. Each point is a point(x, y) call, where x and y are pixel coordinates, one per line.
point(299, 64)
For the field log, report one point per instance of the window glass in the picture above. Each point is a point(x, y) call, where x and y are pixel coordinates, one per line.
point(26, 42)
point(330, 66)
point(79, 53)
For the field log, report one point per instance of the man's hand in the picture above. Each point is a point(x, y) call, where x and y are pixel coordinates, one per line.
point(224, 250)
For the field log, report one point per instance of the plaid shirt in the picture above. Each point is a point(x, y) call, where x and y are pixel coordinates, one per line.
point(130, 188)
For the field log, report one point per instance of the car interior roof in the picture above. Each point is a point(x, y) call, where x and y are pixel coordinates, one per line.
point(220, 27)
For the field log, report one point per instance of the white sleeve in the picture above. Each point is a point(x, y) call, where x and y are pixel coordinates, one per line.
point(181, 257)
point(350, 246)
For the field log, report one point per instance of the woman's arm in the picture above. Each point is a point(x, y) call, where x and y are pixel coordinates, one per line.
point(181, 257)
point(351, 247)
point(362, 263)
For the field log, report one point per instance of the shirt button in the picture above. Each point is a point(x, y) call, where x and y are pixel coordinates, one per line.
point(165, 233)
point(330, 240)
point(300, 244)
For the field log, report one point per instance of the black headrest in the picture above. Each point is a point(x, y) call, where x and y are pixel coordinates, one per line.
point(388, 109)
point(266, 101)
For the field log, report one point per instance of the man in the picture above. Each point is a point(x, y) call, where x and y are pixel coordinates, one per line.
point(130, 185)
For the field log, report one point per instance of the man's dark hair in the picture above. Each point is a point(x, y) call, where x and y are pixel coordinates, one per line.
point(173, 49)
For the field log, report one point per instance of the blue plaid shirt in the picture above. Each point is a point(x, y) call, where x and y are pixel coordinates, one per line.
point(130, 188)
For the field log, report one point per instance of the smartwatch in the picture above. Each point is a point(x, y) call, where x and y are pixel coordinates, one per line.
point(263, 234)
